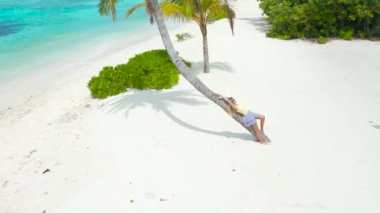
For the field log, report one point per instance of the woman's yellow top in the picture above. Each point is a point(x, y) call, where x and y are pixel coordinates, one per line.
point(242, 109)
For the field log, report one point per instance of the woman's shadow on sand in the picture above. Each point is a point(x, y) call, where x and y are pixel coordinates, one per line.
point(161, 101)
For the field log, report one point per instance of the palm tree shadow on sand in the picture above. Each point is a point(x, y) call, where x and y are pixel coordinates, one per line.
point(259, 23)
point(161, 101)
point(197, 67)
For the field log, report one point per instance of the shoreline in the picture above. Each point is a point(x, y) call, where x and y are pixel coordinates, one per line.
point(54, 69)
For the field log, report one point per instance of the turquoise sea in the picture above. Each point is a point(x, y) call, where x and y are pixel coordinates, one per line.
point(34, 32)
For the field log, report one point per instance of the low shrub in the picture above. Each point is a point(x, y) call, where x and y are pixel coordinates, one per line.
point(152, 70)
point(346, 34)
point(149, 70)
point(111, 81)
point(183, 36)
point(346, 19)
point(322, 40)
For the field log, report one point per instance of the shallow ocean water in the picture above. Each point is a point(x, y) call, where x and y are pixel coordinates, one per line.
point(35, 32)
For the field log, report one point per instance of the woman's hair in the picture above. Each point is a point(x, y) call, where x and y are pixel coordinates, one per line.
point(230, 111)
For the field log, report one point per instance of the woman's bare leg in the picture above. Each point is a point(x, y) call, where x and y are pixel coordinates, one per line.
point(258, 133)
point(262, 120)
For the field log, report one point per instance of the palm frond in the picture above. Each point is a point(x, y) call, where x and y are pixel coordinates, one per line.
point(206, 4)
point(200, 11)
point(230, 15)
point(221, 9)
point(105, 7)
point(175, 11)
point(134, 8)
point(150, 8)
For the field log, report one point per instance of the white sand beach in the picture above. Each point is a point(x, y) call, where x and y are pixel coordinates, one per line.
point(175, 151)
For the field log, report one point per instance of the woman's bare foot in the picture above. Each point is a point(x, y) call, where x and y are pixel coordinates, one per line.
point(261, 140)
point(258, 133)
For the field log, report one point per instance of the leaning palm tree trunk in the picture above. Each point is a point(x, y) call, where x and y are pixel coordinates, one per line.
point(183, 68)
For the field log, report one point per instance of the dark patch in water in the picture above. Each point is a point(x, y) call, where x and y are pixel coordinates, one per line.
point(8, 28)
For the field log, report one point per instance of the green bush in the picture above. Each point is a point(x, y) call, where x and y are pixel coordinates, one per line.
point(346, 34)
point(183, 36)
point(322, 18)
point(149, 70)
point(111, 81)
point(152, 70)
point(322, 40)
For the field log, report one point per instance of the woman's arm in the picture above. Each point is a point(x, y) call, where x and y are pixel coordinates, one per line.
point(232, 105)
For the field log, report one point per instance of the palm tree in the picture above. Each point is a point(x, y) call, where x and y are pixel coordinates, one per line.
point(109, 6)
point(200, 11)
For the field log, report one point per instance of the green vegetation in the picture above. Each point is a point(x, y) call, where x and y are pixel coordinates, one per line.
point(202, 12)
point(183, 36)
point(149, 70)
point(322, 40)
point(111, 81)
point(107, 7)
point(322, 18)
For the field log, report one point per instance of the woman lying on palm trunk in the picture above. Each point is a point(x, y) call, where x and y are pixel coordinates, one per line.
point(249, 117)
